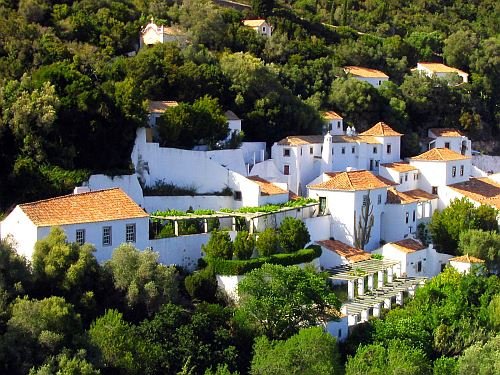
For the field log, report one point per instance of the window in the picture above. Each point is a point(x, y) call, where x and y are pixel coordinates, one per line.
point(321, 148)
point(377, 162)
point(322, 205)
point(406, 176)
point(389, 149)
point(419, 266)
point(353, 150)
point(80, 236)
point(106, 236)
point(434, 190)
point(453, 171)
point(286, 170)
point(379, 83)
point(311, 150)
point(301, 151)
point(447, 145)
point(414, 215)
point(365, 200)
point(407, 215)
point(237, 195)
point(339, 333)
point(263, 29)
point(415, 176)
point(338, 124)
point(375, 150)
point(461, 170)
point(343, 150)
point(130, 233)
point(379, 199)
point(401, 179)
point(286, 152)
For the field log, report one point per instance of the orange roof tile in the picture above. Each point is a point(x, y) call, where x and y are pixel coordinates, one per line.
point(381, 129)
point(445, 132)
point(161, 106)
point(266, 187)
point(352, 254)
point(440, 68)
point(331, 115)
point(408, 246)
point(365, 72)
point(411, 196)
point(352, 180)
point(466, 259)
point(440, 154)
point(94, 206)
point(482, 190)
point(400, 166)
point(355, 139)
point(300, 140)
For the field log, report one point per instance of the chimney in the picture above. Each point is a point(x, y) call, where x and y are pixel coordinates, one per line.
point(81, 189)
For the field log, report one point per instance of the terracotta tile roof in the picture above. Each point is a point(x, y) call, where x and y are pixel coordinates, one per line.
point(365, 72)
point(94, 206)
point(466, 259)
point(254, 23)
point(161, 106)
point(355, 139)
point(381, 129)
point(411, 196)
point(440, 154)
point(331, 115)
point(445, 132)
point(400, 166)
point(230, 115)
point(300, 140)
point(408, 246)
point(352, 180)
point(266, 187)
point(482, 190)
point(352, 254)
point(440, 68)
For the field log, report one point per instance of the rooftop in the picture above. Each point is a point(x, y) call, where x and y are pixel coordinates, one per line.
point(254, 23)
point(161, 106)
point(352, 254)
point(331, 115)
point(300, 140)
point(482, 190)
point(408, 245)
point(352, 181)
point(411, 196)
point(445, 132)
point(94, 206)
point(440, 154)
point(365, 72)
point(354, 139)
point(440, 68)
point(400, 166)
point(381, 129)
point(466, 259)
point(266, 187)
point(230, 115)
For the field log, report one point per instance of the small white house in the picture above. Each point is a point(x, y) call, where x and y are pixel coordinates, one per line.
point(449, 138)
point(466, 264)
point(104, 218)
point(260, 26)
point(152, 34)
point(157, 108)
point(389, 139)
point(335, 253)
point(401, 173)
point(372, 76)
point(441, 71)
point(334, 123)
point(270, 192)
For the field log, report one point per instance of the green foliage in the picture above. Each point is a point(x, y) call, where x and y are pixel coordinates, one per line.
point(483, 245)
point(267, 242)
point(145, 283)
point(243, 244)
point(66, 363)
point(445, 366)
point(481, 358)
point(219, 245)
point(202, 285)
point(15, 275)
point(277, 301)
point(163, 188)
point(310, 351)
point(293, 235)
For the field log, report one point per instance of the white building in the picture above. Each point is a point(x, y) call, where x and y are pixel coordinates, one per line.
point(440, 167)
point(343, 195)
point(440, 71)
point(401, 173)
point(104, 218)
point(233, 122)
point(372, 76)
point(449, 138)
point(260, 26)
point(466, 264)
point(334, 123)
point(335, 253)
point(152, 34)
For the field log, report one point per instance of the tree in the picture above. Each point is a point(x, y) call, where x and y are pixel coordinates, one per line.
point(66, 363)
point(243, 244)
point(483, 359)
point(363, 228)
point(458, 48)
point(263, 8)
point(483, 245)
point(293, 235)
point(278, 300)
point(219, 245)
point(459, 216)
point(310, 351)
point(15, 276)
point(267, 242)
point(145, 283)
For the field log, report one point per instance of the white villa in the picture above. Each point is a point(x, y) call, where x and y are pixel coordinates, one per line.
point(260, 26)
point(152, 34)
point(449, 138)
point(372, 76)
point(440, 71)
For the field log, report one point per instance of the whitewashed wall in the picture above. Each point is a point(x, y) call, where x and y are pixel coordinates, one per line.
point(253, 152)
point(210, 202)
point(487, 163)
point(128, 183)
point(21, 229)
point(338, 329)
point(375, 82)
point(319, 227)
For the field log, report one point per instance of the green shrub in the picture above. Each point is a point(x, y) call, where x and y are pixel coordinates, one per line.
point(293, 235)
point(202, 285)
point(267, 242)
point(219, 245)
point(243, 244)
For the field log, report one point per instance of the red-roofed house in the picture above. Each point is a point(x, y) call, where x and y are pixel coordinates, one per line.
point(335, 253)
point(104, 218)
point(449, 138)
point(466, 264)
point(372, 76)
point(440, 70)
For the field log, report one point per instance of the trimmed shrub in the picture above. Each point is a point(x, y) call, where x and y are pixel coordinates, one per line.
point(202, 285)
point(219, 245)
point(293, 235)
point(243, 245)
point(267, 242)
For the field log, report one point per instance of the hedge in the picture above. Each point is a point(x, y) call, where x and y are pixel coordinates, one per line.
point(240, 267)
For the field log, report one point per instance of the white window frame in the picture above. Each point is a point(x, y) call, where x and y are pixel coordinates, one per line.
point(130, 233)
point(107, 238)
point(80, 236)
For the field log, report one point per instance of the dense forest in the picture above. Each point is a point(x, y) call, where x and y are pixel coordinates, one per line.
point(72, 95)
